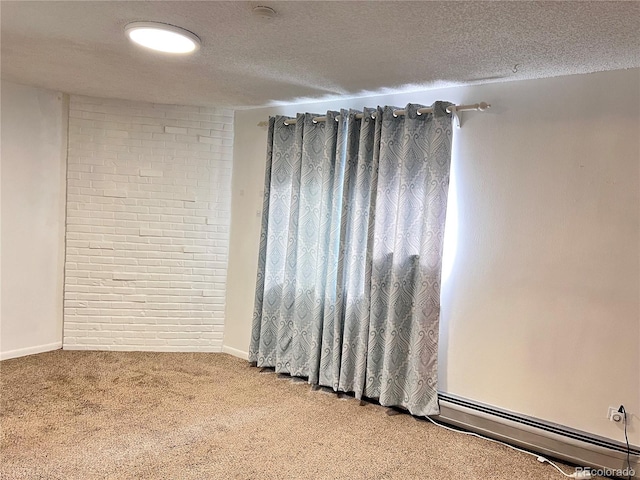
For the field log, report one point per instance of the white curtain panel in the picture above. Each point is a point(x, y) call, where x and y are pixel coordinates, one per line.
point(348, 284)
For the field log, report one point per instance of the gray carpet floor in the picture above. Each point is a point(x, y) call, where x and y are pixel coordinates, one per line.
point(116, 415)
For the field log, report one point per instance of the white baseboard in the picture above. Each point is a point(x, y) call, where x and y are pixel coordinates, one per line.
point(22, 352)
point(235, 352)
point(142, 348)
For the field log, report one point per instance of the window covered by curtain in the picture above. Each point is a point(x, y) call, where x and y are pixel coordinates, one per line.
point(348, 285)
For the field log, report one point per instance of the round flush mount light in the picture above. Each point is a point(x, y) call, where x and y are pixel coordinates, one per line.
point(263, 12)
point(162, 37)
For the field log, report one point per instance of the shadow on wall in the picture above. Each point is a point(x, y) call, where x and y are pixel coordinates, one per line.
point(449, 254)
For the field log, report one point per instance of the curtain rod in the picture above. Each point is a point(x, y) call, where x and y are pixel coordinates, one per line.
point(481, 107)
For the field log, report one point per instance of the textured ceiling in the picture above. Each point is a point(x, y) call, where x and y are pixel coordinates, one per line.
point(311, 49)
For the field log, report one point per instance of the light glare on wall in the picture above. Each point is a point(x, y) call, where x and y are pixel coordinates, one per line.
point(450, 247)
point(162, 37)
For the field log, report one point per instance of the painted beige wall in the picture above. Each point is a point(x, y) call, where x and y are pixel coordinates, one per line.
point(540, 302)
point(33, 164)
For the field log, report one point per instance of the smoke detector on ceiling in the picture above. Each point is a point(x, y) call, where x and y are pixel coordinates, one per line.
point(263, 12)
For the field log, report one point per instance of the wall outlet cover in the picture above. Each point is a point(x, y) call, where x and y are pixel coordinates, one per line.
point(614, 415)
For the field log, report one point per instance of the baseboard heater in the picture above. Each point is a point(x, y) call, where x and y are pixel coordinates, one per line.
point(549, 439)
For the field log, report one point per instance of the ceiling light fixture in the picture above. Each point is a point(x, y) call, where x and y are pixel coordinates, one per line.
point(162, 37)
point(263, 12)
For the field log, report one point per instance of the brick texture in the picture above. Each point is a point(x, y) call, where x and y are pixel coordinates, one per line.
point(148, 207)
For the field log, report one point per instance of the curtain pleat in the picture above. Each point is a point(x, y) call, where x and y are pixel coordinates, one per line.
point(348, 281)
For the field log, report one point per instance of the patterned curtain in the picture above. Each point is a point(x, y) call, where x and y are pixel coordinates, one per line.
point(348, 285)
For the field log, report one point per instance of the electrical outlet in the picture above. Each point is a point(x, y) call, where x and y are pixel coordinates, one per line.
point(614, 415)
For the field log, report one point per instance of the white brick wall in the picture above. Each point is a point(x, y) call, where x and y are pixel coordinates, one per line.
point(148, 207)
